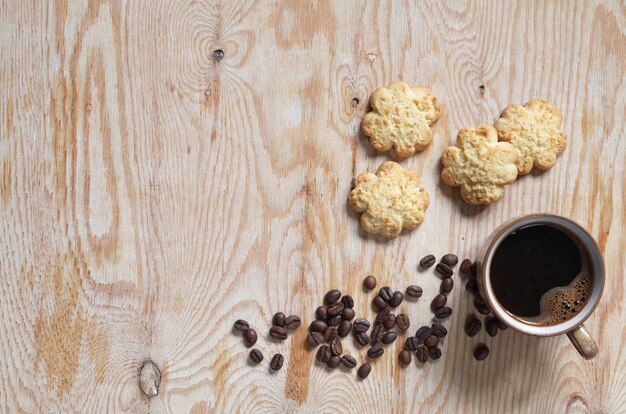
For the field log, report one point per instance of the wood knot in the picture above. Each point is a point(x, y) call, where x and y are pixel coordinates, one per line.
point(218, 54)
point(355, 102)
point(481, 90)
point(149, 378)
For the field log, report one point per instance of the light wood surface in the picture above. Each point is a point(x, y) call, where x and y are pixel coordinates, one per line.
point(151, 195)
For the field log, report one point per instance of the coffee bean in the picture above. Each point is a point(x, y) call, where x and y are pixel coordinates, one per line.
point(363, 339)
point(277, 362)
point(279, 319)
point(389, 337)
point(503, 326)
point(347, 301)
point(443, 313)
point(444, 270)
point(396, 299)
point(336, 347)
point(331, 297)
point(423, 333)
point(344, 328)
point(491, 326)
point(466, 266)
point(334, 320)
point(438, 302)
point(439, 330)
point(435, 353)
point(390, 322)
point(334, 361)
point(381, 316)
point(292, 322)
point(364, 370)
point(473, 327)
point(361, 325)
point(321, 313)
point(377, 333)
point(375, 352)
point(480, 306)
point(414, 291)
point(403, 322)
point(241, 325)
point(318, 326)
point(446, 285)
point(379, 303)
point(347, 314)
point(471, 286)
point(431, 341)
point(256, 356)
point(335, 309)
point(314, 339)
point(427, 261)
point(450, 259)
point(405, 357)
point(411, 343)
point(422, 354)
point(278, 332)
point(348, 361)
point(331, 332)
point(385, 293)
point(323, 353)
point(481, 352)
point(369, 282)
point(250, 337)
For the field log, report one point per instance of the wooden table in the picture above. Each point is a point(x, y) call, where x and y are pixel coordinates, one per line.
point(170, 166)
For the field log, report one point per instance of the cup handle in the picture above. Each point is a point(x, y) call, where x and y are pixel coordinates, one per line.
point(583, 342)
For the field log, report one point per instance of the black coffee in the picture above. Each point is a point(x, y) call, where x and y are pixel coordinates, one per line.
point(539, 274)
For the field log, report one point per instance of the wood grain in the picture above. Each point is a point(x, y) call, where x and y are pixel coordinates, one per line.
point(151, 194)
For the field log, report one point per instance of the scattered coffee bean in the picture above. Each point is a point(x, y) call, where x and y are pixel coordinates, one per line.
point(344, 328)
point(466, 266)
point(389, 337)
point(446, 285)
point(427, 261)
point(250, 337)
point(403, 322)
point(411, 343)
point(473, 327)
point(331, 297)
point(334, 361)
point(323, 353)
point(256, 356)
point(335, 309)
point(375, 352)
point(396, 299)
point(382, 315)
point(347, 314)
point(480, 306)
point(414, 291)
point(363, 339)
point(435, 353)
point(279, 319)
point(292, 322)
point(348, 361)
point(443, 313)
point(390, 322)
point(318, 326)
point(379, 303)
point(369, 282)
point(423, 333)
point(438, 302)
point(321, 313)
point(364, 370)
point(439, 330)
point(450, 259)
point(377, 333)
point(278, 332)
point(431, 341)
point(334, 320)
point(503, 326)
point(331, 332)
point(336, 347)
point(471, 286)
point(277, 362)
point(405, 357)
point(347, 301)
point(241, 325)
point(314, 339)
point(361, 325)
point(491, 326)
point(481, 352)
point(444, 270)
point(385, 293)
point(422, 354)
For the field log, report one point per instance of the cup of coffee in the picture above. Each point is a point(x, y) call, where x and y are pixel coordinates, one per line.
point(543, 275)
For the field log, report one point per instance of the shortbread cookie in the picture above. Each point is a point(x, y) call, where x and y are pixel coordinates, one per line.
point(390, 200)
point(479, 164)
point(533, 129)
point(401, 118)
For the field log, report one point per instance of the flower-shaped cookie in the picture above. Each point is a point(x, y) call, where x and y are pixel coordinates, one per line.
point(390, 200)
point(401, 118)
point(533, 129)
point(479, 164)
